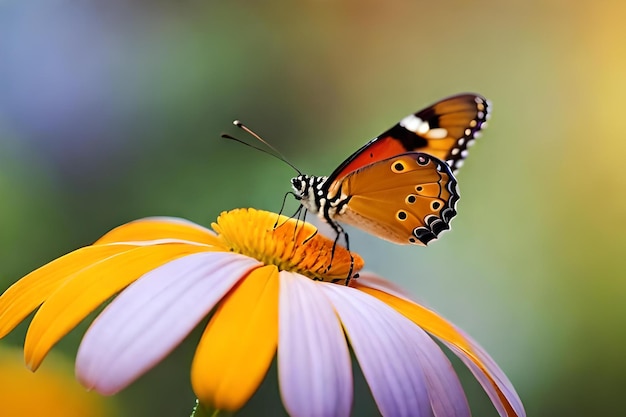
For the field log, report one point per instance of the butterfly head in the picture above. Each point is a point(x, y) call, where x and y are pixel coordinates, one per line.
point(300, 185)
point(309, 190)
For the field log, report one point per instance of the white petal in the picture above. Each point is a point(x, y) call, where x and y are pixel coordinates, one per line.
point(384, 343)
point(153, 315)
point(313, 359)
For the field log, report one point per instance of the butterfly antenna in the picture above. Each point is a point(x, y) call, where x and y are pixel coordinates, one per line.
point(276, 153)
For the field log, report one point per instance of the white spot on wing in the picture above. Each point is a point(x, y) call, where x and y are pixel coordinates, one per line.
point(423, 128)
point(489, 112)
point(437, 133)
point(411, 122)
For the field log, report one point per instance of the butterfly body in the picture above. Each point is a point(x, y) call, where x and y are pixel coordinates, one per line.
point(400, 186)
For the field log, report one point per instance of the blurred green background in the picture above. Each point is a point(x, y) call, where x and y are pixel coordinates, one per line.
point(112, 111)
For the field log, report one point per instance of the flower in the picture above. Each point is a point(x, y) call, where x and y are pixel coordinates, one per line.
point(274, 291)
point(54, 388)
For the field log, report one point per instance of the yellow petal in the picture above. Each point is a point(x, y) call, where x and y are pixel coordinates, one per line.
point(437, 326)
point(28, 293)
point(155, 228)
point(52, 392)
point(239, 343)
point(85, 290)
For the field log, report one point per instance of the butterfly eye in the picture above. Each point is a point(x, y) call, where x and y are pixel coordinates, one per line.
point(410, 199)
point(401, 215)
point(398, 166)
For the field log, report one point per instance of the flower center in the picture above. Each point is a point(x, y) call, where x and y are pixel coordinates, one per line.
point(289, 244)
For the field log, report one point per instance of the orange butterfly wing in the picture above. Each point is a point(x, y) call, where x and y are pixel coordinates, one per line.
point(407, 199)
point(444, 129)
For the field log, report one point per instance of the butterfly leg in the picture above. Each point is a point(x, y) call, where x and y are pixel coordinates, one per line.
point(303, 220)
point(282, 207)
point(299, 215)
point(340, 232)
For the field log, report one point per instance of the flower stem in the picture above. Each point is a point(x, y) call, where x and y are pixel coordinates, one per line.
point(200, 411)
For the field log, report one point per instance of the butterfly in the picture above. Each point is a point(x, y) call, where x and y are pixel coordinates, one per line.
point(400, 186)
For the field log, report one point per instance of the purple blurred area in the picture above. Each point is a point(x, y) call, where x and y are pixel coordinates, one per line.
point(63, 68)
